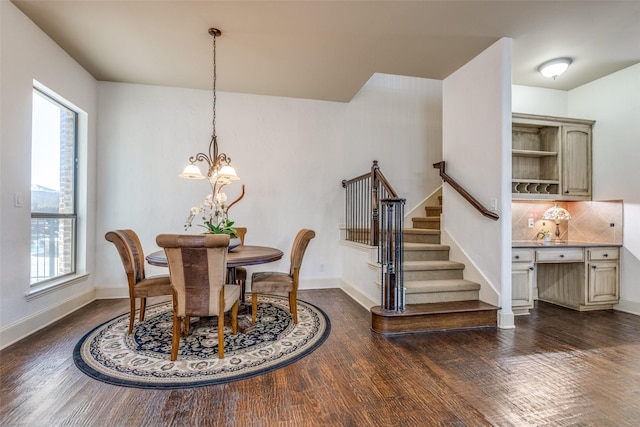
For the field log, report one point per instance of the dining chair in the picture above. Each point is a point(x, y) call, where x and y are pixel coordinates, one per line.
point(128, 245)
point(267, 282)
point(198, 270)
point(241, 272)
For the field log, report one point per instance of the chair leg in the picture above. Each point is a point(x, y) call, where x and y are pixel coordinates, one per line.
point(143, 306)
point(234, 317)
point(175, 342)
point(254, 307)
point(293, 307)
point(187, 325)
point(221, 327)
point(132, 315)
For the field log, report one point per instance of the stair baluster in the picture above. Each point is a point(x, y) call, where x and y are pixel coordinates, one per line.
point(391, 254)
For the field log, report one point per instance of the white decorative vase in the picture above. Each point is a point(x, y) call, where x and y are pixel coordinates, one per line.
point(234, 242)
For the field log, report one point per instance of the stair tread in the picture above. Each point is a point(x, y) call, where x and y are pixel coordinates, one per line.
point(425, 218)
point(421, 231)
point(442, 285)
point(412, 246)
point(438, 308)
point(433, 265)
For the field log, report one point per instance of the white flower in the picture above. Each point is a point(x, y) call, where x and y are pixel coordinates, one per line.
point(221, 198)
point(195, 210)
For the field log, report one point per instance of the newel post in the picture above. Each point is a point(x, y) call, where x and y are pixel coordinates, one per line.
point(375, 205)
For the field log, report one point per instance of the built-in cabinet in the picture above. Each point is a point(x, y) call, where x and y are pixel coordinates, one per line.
point(603, 276)
point(581, 278)
point(522, 280)
point(551, 158)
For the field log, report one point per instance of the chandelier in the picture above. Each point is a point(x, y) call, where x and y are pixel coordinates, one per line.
point(219, 169)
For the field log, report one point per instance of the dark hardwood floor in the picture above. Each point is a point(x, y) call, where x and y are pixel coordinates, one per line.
point(558, 368)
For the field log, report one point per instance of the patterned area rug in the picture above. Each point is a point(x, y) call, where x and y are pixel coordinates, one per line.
point(141, 359)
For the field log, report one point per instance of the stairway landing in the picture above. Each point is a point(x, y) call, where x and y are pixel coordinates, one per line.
point(435, 317)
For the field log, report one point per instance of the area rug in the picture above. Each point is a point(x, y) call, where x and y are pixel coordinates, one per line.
point(109, 354)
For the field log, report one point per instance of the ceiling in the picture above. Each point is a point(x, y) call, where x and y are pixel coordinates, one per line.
point(327, 50)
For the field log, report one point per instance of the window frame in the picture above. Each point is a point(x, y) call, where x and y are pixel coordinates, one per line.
point(37, 284)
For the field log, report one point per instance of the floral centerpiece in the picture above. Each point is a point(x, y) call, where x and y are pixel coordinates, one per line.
point(214, 213)
point(545, 235)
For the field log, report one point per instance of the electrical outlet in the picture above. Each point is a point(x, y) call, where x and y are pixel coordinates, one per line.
point(530, 223)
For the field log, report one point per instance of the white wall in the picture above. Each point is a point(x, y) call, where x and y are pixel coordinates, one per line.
point(477, 149)
point(291, 155)
point(398, 121)
point(535, 100)
point(28, 54)
point(614, 103)
point(282, 149)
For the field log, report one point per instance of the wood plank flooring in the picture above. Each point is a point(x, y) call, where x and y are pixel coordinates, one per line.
point(558, 368)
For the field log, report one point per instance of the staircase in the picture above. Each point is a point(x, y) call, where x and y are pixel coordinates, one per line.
point(436, 294)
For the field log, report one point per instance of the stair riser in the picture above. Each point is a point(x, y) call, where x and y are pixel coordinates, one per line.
point(432, 274)
point(421, 238)
point(430, 297)
point(433, 322)
point(428, 255)
point(426, 223)
point(432, 211)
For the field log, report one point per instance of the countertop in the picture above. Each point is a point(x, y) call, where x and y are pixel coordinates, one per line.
point(564, 244)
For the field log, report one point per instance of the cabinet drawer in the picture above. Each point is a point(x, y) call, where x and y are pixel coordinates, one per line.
point(560, 255)
point(521, 255)
point(602, 254)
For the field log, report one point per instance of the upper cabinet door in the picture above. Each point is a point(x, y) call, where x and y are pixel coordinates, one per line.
point(551, 158)
point(576, 161)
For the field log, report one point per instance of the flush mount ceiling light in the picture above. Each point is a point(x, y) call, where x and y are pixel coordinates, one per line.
point(555, 67)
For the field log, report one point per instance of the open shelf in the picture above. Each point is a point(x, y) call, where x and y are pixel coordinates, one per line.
point(534, 153)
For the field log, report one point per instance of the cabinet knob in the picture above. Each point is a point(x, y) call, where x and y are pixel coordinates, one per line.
point(566, 191)
point(517, 257)
point(594, 267)
point(531, 268)
point(605, 255)
point(561, 255)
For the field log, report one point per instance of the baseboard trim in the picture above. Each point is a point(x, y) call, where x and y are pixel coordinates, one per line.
point(357, 296)
point(628, 306)
point(16, 331)
point(506, 320)
point(112, 293)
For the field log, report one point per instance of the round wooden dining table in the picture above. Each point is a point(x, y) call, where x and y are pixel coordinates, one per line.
point(239, 256)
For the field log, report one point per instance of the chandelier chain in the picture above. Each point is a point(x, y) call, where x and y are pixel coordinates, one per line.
point(214, 85)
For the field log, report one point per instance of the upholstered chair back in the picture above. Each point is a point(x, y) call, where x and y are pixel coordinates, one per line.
point(298, 249)
point(128, 245)
point(198, 268)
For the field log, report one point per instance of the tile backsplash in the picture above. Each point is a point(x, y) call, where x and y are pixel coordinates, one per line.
point(591, 222)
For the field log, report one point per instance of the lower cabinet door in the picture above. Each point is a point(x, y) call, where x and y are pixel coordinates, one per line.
point(522, 276)
point(603, 282)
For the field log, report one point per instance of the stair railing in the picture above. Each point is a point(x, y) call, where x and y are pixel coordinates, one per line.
point(391, 255)
point(375, 216)
point(468, 197)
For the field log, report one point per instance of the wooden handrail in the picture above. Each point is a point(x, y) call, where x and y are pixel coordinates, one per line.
point(364, 194)
point(375, 174)
point(468, 197)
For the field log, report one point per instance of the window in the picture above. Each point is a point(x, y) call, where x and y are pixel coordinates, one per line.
point(53, 189)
